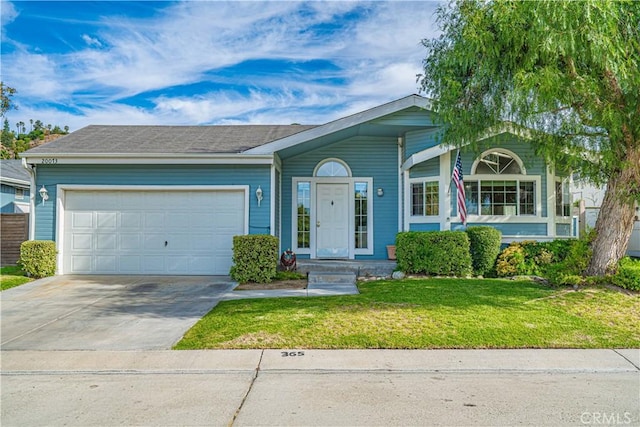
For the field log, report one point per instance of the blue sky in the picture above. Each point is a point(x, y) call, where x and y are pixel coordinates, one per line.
point(77, 63)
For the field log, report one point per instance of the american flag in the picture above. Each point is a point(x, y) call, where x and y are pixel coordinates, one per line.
point(458, 180)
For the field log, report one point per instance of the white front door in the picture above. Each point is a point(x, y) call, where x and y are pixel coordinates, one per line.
point(332, 220)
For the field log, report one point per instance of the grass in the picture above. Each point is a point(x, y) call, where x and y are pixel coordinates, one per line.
point(11, 277)
point(428, 313)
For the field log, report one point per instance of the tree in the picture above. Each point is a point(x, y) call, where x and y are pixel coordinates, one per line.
point(568, 71)
point(6, 103)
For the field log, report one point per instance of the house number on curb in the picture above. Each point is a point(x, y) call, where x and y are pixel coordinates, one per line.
point(292, 353)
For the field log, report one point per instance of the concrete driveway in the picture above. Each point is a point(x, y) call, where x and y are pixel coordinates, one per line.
point(106, 312)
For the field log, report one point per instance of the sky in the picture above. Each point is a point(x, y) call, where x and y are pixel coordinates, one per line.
point(77, 63)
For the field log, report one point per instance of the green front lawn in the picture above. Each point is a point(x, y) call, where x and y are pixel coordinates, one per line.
point(428, 313)
point(11, 277)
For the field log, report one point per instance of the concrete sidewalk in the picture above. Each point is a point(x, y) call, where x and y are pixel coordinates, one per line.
point(321, 387)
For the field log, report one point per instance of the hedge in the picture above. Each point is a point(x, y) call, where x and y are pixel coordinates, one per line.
point(485, 246)
point(441, 253)
point(628, 275)
point(38, 258)
point(255, 258)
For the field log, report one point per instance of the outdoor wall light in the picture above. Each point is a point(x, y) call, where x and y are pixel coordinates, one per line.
point(259, 195)
point(44, 194)
point(380, 192)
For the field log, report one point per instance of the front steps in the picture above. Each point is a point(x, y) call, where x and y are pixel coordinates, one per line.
point(377, 268)
point(343, 282)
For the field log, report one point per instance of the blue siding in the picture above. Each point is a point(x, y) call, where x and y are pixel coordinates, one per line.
point(50, 176)
point(417, 141)
point(366, 157)
point(410, 117)
point(425, 227)
point(8, 196)
point(511, 229)
point(426, 169)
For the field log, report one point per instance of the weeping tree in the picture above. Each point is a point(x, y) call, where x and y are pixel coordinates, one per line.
point(567, 71)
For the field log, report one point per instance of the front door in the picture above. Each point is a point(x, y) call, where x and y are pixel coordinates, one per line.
point(332, 220)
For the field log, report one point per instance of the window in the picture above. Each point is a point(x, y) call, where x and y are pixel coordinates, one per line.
point(304, 214)
point(498, 162)
point(332, 168)
point(513, 195)
point(563, 198)
point(19, 194)
point(425, 198)
point(361, 212)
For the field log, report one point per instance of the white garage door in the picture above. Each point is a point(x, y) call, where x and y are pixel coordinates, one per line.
point(151, 232)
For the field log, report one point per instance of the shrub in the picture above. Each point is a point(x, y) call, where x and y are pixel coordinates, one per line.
point(510, 261)
point(442, 253)
point(255, 258)
point(485, 246)
point(628, 275)
point(38, 258)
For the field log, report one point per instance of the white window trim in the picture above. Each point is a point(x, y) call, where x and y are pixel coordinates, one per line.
point(425, 219)
point(19, 193)
point(313, 181)
point(508, 218)
point(560, 219)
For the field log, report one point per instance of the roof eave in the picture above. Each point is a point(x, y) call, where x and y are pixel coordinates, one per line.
point(147, 158)
point(343, 123)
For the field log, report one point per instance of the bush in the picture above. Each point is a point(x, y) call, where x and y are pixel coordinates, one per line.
point(628, 275)
point(442, 253)
point(38, 258)
point(485, 246)
point(511, 261)
point(255, 258)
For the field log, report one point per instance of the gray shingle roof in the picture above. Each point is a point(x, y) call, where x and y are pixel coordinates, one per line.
point(13, 169)
point(98, 139)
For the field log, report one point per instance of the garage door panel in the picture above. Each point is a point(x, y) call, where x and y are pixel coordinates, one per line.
point(130, 241)
point(153, 220)
point(107, 220)
point(131, 220)
point(106, 264)
point(81, 264)
point(106, 241)
point(130, 263)
point(82, 220)
point(127, 235)
point(154, 241)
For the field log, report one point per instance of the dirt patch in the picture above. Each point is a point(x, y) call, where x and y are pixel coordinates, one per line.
point(278, 284)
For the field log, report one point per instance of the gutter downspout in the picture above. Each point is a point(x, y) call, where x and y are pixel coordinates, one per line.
point(32, 198)
point(400, 185)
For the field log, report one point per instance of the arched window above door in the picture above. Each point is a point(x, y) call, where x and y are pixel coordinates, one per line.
point(498, 162)
point(331, 168)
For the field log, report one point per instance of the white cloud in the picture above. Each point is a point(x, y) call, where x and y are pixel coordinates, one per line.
point(377, 55)
point(91, 41)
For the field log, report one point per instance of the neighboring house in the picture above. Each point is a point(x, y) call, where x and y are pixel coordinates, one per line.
point(14, 180)
point(591, 199)
point(168, 199)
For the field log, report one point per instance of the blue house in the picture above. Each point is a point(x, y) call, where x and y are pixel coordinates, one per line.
point(14, 182)
point(168, 199)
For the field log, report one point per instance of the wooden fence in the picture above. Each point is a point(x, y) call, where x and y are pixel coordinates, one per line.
point(14, 229)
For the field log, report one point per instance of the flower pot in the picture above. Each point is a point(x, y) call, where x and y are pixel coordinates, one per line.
point(391, 252)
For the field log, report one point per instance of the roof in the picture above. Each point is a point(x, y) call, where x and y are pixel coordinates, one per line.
point(112, 139)
point(12, 171)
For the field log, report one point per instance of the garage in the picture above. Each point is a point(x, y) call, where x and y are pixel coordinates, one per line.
point(151, 231)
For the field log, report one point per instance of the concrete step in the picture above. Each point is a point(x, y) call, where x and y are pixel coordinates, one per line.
point(327, 266)
point(331, 278)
